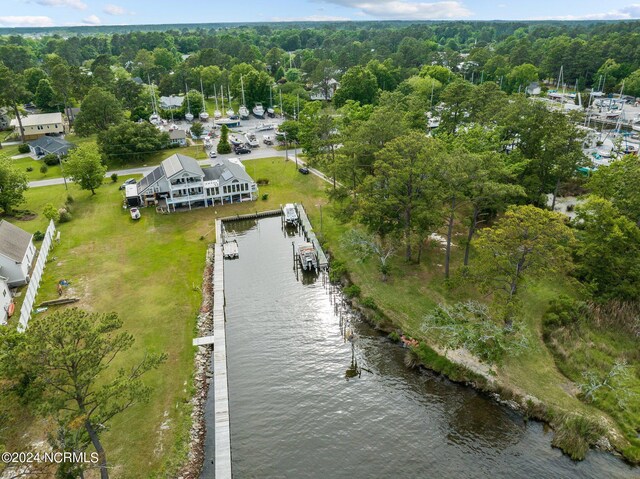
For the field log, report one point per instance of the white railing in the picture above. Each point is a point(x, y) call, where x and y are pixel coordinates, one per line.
point(36, 276)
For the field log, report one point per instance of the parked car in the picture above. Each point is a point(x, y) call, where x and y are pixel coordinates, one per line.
point(213, 154)
point(304, 170)
point(130, 181)
point(135, 213)
point(241, 150)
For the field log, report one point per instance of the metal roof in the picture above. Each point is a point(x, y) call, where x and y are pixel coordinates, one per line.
point(150, 179)
point(178, 163)
point(52, 144)
point(14, 241)
point(41, 119)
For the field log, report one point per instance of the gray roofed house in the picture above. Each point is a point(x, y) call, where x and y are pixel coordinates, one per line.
point(16, 253)
point(178, 137)
point(50, 145)
point(171, 102)
point(180, 182)
point(180, 163)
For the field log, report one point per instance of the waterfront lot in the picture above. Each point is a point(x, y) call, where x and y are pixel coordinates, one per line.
point(149, 272)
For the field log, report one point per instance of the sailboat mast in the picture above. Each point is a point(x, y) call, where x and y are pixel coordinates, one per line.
point(222, 96)
point(244, 103)
point(281, 109)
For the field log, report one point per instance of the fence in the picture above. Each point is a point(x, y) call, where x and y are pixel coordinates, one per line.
point(36, 275)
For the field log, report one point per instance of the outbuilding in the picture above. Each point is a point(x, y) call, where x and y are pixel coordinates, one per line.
point(17, 253)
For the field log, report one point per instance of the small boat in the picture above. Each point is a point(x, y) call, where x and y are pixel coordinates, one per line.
point(243, 111)
point(230, 249)
point(307, 256)
point(267, 139)
point(204, 116)
point(265, 126)
point(235, 141)
point(290, 214)
point(135, 213)
point(252, 141)
point(188, 115)
point(230, 112)
point(258, 110)
point(11, 309)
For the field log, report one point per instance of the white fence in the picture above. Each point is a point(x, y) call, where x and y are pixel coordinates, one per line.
point(36, 275)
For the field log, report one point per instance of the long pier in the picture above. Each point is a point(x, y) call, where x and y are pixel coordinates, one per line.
point(220, 381)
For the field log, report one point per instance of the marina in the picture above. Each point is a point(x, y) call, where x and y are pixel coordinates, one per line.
point(316, 392)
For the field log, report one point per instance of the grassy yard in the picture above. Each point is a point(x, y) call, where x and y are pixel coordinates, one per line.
point(148, 271)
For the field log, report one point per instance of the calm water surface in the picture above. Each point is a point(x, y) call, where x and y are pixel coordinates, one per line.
point(297, 413)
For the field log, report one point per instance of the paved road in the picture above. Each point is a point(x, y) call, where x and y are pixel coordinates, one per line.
point(262, 152)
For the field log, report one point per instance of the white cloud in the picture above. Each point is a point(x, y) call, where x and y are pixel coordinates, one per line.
point(311, 18)
point(92, 20)
point(112, 9)
point(26, 21)
point(78, 4)
point(409, 10)
point(625, 13)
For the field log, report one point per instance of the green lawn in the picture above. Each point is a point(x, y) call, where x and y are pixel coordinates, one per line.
point(148, 271)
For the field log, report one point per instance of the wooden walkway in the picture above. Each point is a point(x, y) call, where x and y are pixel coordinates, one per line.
point(220, 382)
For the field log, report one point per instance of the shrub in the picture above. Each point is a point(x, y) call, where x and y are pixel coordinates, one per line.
point(38, 235)
point(337, 271)
point(24, 148)
point(43, 169)
point(575, 434)
point(51, 160)
point(368, 302)
point(262, 181)
point(65, 216)
point(394, 336)
point(265, 197)
point(69, 199)
point(352, 291)
point(114, 177)
point(51, 212)
point(563, 311)
point(29, 168)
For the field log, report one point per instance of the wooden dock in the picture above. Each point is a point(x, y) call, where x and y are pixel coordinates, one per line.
point(323, 262)
point(252, 216)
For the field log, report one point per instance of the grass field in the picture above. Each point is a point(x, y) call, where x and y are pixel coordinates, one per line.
point(149, 272)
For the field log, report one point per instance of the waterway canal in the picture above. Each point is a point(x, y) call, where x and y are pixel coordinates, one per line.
point(296, 410)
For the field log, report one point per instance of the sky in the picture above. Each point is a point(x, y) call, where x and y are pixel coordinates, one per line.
point(43, 13)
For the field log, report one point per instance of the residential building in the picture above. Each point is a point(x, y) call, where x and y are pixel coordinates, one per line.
point(178, 137)
point(50, 145)
point(318, 92)
point(17, 253)
point(180, 182)
point(37, 125)
point(171, 102)
point(5, 300)
point(5, 121)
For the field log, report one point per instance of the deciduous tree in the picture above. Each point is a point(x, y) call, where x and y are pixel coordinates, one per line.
point(85, 167)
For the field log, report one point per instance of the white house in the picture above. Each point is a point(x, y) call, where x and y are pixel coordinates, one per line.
point(17, 253)
point(178, 137)
point(35, 126)
point(180, 182)
point(5, 300)
point(171, 102)
point(5, 121)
